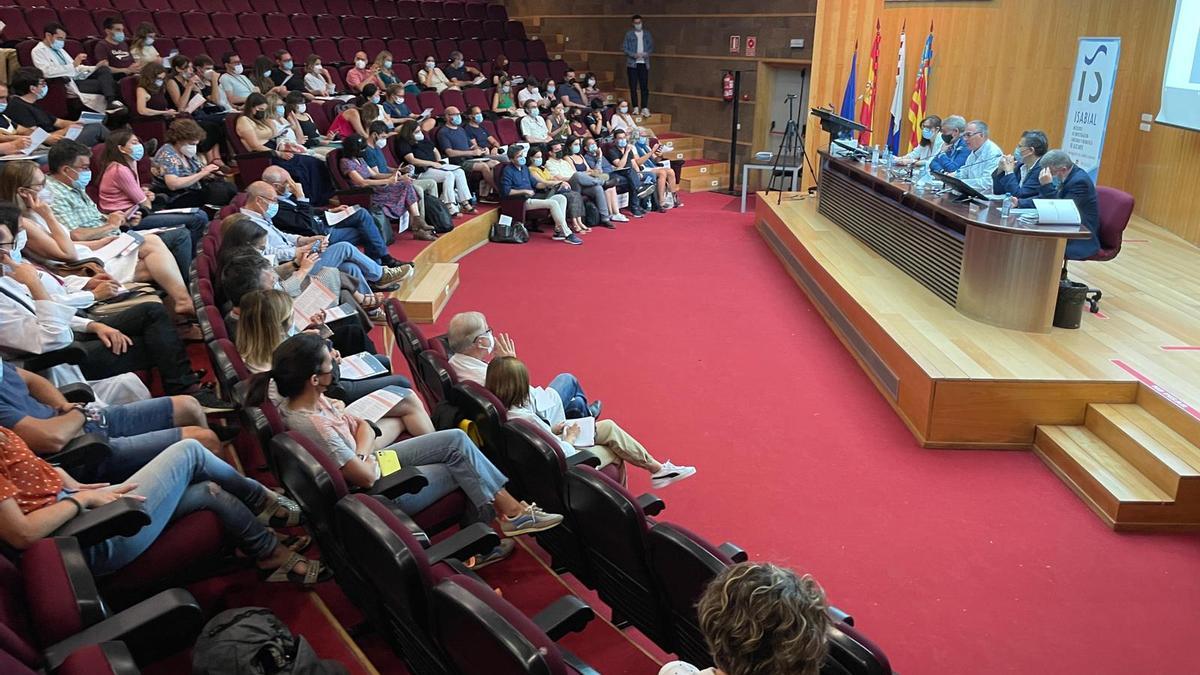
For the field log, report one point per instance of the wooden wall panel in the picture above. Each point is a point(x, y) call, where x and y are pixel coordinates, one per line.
point(1009, 62)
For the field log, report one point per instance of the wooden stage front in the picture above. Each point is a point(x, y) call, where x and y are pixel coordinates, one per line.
point(1113, 407)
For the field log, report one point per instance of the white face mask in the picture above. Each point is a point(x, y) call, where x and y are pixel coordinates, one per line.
point(237, 70)
point(381, 143)
point(360, 64)
point(418, 136)
point(489, 342)
point(189, 150)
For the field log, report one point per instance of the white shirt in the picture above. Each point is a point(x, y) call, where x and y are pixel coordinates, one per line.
point(640, 47)
point(534, 128)
point(54, 63)
point(622, 121)
point(238, 86)
point(977, 170)
point(527, 94)
point(545, 402)
point(684, 668)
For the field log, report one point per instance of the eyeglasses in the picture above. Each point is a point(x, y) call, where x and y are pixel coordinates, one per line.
point(968, 134)
point(486, 331)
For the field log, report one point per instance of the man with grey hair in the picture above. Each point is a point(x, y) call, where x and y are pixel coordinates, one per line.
point(474, 345)
point(954, 150)
point(1061, 179)
point(985, 156)
point(1018, 175)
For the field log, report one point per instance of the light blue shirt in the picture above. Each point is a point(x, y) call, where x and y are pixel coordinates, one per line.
point(279, 243)
point(977, 170)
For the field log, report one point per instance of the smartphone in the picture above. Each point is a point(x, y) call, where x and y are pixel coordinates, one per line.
point(316, 247)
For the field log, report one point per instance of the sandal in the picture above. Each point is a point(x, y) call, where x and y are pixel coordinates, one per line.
point(370, 301)
point(298, 543)
point(294, 515)
point(316, 573)
point(467, 207)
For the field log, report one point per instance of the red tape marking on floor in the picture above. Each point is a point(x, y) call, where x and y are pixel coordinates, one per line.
point(1158, 389)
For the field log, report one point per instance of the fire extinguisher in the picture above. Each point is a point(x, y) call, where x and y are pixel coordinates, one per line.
point(727, 86)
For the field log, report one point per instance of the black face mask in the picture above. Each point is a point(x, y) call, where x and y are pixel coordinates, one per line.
point(558, 154)
point(947, 137)
point(260, 114)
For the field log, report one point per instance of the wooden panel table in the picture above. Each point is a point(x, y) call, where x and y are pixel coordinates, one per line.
point(990, 268)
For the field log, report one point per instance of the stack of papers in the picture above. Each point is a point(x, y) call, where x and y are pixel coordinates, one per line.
point(314, 299)
point(375, 405)
point(125, 243)
point(333, 218)
point(360, 367)
point(587, 431)
point(340, 312)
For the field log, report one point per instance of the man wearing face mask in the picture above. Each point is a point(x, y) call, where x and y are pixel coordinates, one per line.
point(455, 143)
point(284, 74)
point(11, 142)
point(27, 87)
point(953, 152)
point(533, 125)
point(460, 74)
point(1060, 178)
point(234, 83)
point(529, 92)
point(570, 93)
point(622, 158)
point(474, 345)
point(479, 134)
point(113, 49)
point(638, 46)
point(362, 74)
point(50, 56)
point(1018, 175)
point(976, 170)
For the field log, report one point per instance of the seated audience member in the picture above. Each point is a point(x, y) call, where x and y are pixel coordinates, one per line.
point(473, 344)
point(32, 407)
point(432, 77)
point(25, 89)
point(286, 130)
point(151, 97)
point(113, 51)
point(557, 122)
point(265, 321)
point(590, 92)
point(377, 139)
point(499, 69)
point(297, 216)
point(121, 191)
point(460, 74)
point(260, 76)
point(183, 87)
point(953, 151)
point(394, 106)
point(234, 82)
point(622, 160)
point(931, 126)
point(38, 315)
point(759, 619)
point(362, 74)
point(557, 186)
point(13, 139)
point(596, 123)
point(142, 48)
point(583, 150)
point(302, 370)
point(413, 147)
point(529, 92)
point(295, 111)
point(564, 163)
point(533, 126)
point(355, 119)
point(508, 379)
point(1018, 175)
point(985, 156)
point(577, 118)
point(285, 75)
point(392, 193)
point(262, 204)
point(479, 134)
point(259, 134)
point(317, 80)
point(383, 69)
point(179, 178)
point(651, 161)
point(571, 93)
point(36, 499)
point(622, 119)
point(209, 86)
point(51, 58)
point(1060, 178)
point(502, 99)
point(517, 180)
point(456, 143)
point(64, 225)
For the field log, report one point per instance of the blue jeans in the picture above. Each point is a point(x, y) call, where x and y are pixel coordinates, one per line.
point(183, 479)
point(360, 230)
point(450, 461)
point(575, 404)
point(138, 432)
point(350, 260)
point(196, 223)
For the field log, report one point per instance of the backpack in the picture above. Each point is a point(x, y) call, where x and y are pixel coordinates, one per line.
point(253, 641)
point(437, 215)
point(591, 214)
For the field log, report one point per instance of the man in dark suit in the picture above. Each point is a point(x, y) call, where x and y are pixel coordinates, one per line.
point(297, 216)
point(1061, 179)
point(1018, 175)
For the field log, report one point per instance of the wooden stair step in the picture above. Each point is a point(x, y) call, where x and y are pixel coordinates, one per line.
point(704, 168)
point(1171, 415)
point(687, 154)
point(1156, 449)
point(426, 296)
point(705, 184)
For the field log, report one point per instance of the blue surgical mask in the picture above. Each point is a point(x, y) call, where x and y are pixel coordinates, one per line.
point(928, 133)
point(594, 149)
point(375, 99)
point(287, 194)
point(3, 106)
point(574, 148)
point(43, 91)
point(550, 90)
point(14, 253)
point(279, 110)
point(533, 112)
point(272, 209)
point(478, 117)
point(137, 152)
point(1057, 182)
point(387, 64)
point(118, 37)
point(58, 44)
point(537, 161)
point(621, 142)
point(82, 180)
point(521, 160)
point(287, 65)
point(456, 120)
point(149, 41)
point(623, 109)
point(159, 83)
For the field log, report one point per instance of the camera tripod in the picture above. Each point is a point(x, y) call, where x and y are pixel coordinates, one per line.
point(790, 147)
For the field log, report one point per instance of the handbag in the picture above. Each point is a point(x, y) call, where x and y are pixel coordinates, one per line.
point(136, 294)
point(508, 231)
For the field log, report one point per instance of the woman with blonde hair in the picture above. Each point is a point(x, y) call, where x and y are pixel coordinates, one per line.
point(383, 64)
point(761, 619)
point(142, 47)
point(508, 380)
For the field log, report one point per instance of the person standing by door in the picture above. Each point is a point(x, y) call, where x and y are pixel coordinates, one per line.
point(638, 47)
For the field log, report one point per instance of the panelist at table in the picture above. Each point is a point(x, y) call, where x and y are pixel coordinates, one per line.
point(985, 156)
point(1018, 175)
point(1060, 178)
point(931, 126)
point(954, 150)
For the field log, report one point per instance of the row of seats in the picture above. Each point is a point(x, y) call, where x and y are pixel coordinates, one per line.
point(430, 9)
point(81, 23)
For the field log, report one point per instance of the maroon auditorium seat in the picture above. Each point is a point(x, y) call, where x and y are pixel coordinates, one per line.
point(329, 26)
point(185, 5)
point(198, 24)
point(432, 9)
point(355, 27)
point(77, 22)
point(506, 132)
point(454, 10)
point(431, 99)
point(1116, 207)
point(248, 49)
point(239, 6)
point(422, 48)
point(385, 8)
point(170, 23)
point(226, 25)
point(491, 48)
point(268, 46)
point(535, 50)
point(477, 10)
point(362, 8)
point(136, 17)
point(252, 25)
point(451, 97)
point(401, 51)
point(494, 30)
point(326, 49)
point(279, 24)
point(299, 48)
point(372, 46)
point(348, 47)
point(338, 7)
point(378, 27)
point(497, 12)
point(190, 47)
point(38, 17)
point(538, 71)
point(15, 24)
point(515, 50)
point(515, 30)
point(408, 8)
point(470, 49)
point(303, 26)
point(292, 7)
point(425, 28)
point(443, 48)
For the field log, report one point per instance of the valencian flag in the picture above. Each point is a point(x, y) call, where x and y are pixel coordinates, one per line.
point(897, 117)
point(916, 107)
point(867, 111)
point(848, 97)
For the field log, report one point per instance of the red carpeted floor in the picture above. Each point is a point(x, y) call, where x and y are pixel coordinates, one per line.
point(954, 561)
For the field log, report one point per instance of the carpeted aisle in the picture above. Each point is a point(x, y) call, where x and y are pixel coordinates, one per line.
point(954, 561)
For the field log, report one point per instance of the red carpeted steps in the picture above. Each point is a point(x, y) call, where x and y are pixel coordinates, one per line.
point(1137, 467)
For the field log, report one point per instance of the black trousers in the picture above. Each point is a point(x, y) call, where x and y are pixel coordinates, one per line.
point(639, 79)
point(156, 346)
point(99, 82)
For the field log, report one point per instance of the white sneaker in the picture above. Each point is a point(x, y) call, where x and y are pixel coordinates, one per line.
point(453, 209)
point(645, 112)
point(670, 474)
point(618, 217)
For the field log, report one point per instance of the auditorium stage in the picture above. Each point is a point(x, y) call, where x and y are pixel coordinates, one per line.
point(1112, 407)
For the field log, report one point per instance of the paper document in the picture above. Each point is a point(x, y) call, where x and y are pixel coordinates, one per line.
point(194, 104)
point(587, 431)
point(1057, 212)
point(333, 218)
point(35, 140)
point(375, 405)
point(360, 366)
point(389, 462)
point(425, 113)
point(73, 132)
point(189, 210)
point(89, 117)
point(314, 299)
point(126, 242)
point(340, 312)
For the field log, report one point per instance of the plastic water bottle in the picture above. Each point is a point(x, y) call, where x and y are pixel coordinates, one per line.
point(874, 154)
point(1006, 206)
point(887, 156)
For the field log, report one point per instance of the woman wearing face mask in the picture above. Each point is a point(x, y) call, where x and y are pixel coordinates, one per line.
point(557, 122)
point(586, 158)
point(590, 92)
point(295, 110)
point(317, 80)
point(394, 106)
point(354, 120)
point(516, 179)
point(183, 87)
point(596, 123)
point(142, 47)
point(151, 96)
point(121, 191)
point(622, 118)
point(499, 69)
point(258, 134)
point(264, 67)
point(931, 126)
point(650, 160)
point(502, 99)
point(413, 147)
point(383, 69)
point(285, 129)
point(432, 77)
point(392, 193)
point(555, 185)
point(180, 176)
point(362, 74)
point(533, 126)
